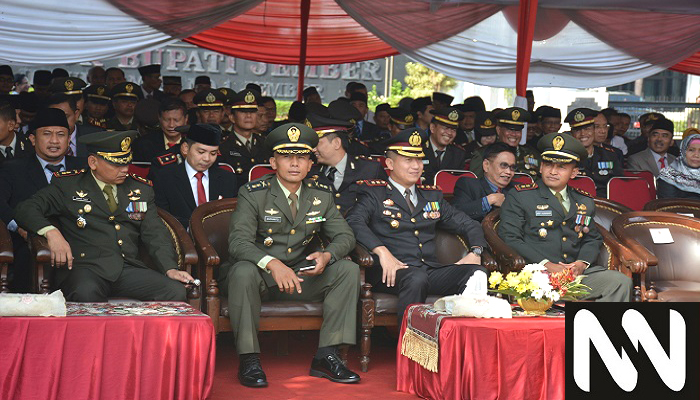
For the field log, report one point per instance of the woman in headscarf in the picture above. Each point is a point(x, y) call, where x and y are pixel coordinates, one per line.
point(681, 179)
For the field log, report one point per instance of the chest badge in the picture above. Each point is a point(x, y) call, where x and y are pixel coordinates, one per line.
point(394, 224)
point(272, 211)
point(316, 201)
point(542, 232)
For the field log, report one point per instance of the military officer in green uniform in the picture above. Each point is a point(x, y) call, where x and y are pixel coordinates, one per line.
point(509, 128)
point(552, 224)
point(103, 214)
point(271, 253)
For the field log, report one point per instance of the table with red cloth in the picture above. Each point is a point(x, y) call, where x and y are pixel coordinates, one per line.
point(129, 351)
point(520, 358)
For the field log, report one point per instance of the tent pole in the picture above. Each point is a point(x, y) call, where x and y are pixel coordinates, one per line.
point(305, 10)
point(526, 33)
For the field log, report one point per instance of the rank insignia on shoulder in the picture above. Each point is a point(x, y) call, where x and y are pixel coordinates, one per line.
point(525, 186)
point(257, 185)
point(166, 159)
point(318, 185)
point(583, 192)
point(428, 187)
point(72, 172)
point(141, 179)
point(372, 182)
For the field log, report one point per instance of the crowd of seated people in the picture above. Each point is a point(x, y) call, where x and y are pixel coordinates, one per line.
point(350, 175)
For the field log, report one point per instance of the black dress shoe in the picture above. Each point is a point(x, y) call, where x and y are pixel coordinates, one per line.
point(331, 367)
point(250, 372)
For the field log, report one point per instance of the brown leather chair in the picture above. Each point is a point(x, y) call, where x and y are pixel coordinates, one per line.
point(613, 254)
point(6, 257)
point(674, 268)
point(184, 248)
point(678, 206)
point(209, 227)
point(380, 309)
point(607, 210)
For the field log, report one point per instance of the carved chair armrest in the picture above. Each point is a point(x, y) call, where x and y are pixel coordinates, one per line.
point(362, 256)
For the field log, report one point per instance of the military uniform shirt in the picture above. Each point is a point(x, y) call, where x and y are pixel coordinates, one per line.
point(265, 260)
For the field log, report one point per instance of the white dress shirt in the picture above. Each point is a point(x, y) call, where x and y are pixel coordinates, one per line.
point(12, 145)
point(412, 190)
point(191, 172)
point(48, 173)
point(340, 171)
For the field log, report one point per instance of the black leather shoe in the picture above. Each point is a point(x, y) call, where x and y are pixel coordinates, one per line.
point(331, 367)
point(250, 372)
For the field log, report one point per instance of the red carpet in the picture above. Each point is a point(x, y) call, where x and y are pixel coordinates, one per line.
point(289, 375)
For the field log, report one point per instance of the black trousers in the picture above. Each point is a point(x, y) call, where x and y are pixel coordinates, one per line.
point(144, 284)
point(414, 284)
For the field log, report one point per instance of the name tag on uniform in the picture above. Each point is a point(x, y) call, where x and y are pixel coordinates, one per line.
point(83, 199)
point(543, 213)
point(272, 219)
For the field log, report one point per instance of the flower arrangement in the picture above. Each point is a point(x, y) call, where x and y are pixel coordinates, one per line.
point(534, 282)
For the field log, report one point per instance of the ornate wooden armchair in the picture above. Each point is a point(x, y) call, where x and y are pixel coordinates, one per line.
point(6, 257)
point(380, 309)
point(209, 227)
point(678, 206)
point(184, 248)
point(674, 268)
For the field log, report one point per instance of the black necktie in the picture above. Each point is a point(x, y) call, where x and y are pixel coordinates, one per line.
point(439, 154)
point(407, 195)
point(54, 167)
point(8, 152)
point(331, 174)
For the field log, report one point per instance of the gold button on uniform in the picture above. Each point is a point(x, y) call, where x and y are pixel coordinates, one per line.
point(415, 233)
point(292, 232)
point(563, 239)
point(82, 254)
point(563, 223)
point(338, 207)
point(337, 195)
point(117, 227)
point(111, 217)
point(269, 230)
point(564, 255)
point(120, 242)
point(420, 245)
point(413, 220)
point(289, 250)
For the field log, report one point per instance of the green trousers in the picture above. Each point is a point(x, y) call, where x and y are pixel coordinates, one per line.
point(338, 287)
point(607, 285)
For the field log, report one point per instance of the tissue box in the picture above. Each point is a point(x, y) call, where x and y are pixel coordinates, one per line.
point(33, 305)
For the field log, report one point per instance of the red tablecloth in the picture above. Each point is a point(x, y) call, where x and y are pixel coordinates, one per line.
point(108, 356)
point(519, 358)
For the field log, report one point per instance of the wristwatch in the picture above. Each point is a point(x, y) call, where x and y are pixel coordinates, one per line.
point(477, 250)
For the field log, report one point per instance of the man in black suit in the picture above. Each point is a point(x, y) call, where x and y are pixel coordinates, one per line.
point(20, 178)
point(12, 145)
point(150, 147)
point(180, 188)
point(343, 110)
point(151, 82)
point(477, 197)
point(440, 150)
point(69, 105)
point(336, 168)
point(364, 130)
point(244, 148)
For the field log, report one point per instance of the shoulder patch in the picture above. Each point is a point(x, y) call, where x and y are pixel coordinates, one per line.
point(525, 186)
point(428, 187)
point(583, 192)
point(256, 185)
point(72, 172)
point(166, 159)
point(141, 179)
point(372, 182)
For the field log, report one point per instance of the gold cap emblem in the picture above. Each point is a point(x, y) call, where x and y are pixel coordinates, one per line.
point(453, 116)
point(126, 144)
point(68, 84)
point(488, 123)
point(224, 91)
point(515, 114)
point(558, 143)
point(210, 98)
point(308, 123)
point(409, 119)
point(578, 117)
point(249, 97)
point(129, 88)
point(652, 117)
point(415, 139)
point(293, 133)
point(101, 91)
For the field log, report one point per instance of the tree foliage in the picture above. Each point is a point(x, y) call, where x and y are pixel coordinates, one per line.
point(423, 81)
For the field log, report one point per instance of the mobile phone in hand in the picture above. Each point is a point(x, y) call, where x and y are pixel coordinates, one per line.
point(307, 268)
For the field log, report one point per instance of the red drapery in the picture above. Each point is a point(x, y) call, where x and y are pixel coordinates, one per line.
point(526, 32)
point(690, 65)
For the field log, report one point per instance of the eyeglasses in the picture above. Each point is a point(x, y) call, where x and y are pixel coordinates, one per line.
point(507, 166)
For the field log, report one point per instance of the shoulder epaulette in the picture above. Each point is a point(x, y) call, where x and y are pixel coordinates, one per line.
point(610, 149)
point(581, 191)
point(141, 179)
point(166, 159)
point(318, 185)
point(372, 182)
point(525, 186)
point(361, 142)
point(72, 172)
point(428, 187)
point(366, 158)
point(257, 184)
